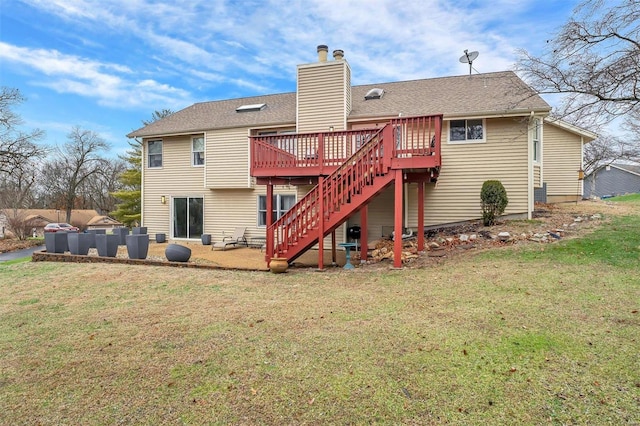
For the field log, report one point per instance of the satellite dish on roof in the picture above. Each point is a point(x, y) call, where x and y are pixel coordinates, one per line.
point(468, 58)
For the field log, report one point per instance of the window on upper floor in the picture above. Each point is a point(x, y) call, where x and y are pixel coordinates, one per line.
point(197, 151)
point(154, 150)
point(466, 131)
point(281, 203)
point(535, 136)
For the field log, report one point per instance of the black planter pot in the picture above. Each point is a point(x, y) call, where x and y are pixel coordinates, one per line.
point(80, 243)
point(206, 239)
point(137, 246)
point(107, 245)
point(95, 232)
point(55, 242)
point(139, 230)
point(122, 234)
point(161, 238)
point(177, 253)
point(66, 244)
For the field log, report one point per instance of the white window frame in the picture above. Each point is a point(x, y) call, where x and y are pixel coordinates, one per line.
point(276, 208)
point(197, 155)
point(466, 125)
point(536, 139)
point(149, 154)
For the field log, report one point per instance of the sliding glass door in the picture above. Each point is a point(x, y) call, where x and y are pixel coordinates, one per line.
point(188, 217)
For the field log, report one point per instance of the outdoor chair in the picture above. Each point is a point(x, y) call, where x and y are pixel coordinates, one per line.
point(233, 240)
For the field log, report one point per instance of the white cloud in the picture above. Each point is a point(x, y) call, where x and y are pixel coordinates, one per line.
point(109, 83)
point(250, 44)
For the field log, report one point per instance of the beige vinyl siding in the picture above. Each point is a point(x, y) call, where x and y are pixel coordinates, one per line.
point(562, 160)
point(227, 159)
point(380, 219)
point(465, 167)
point(322, 96)
point(176, 177)
point(537, 176)
point(347, 91)
point(231, 208)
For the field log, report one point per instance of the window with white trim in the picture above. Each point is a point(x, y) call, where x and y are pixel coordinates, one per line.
point(154, 150)
point(466, 131)
point(536, 140)
point(197, 151)
point(281, 203)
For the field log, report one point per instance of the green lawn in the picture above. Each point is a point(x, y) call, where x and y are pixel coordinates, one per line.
point(542, 334)
point(626, 198)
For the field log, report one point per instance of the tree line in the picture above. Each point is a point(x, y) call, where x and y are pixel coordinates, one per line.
point(74, 175)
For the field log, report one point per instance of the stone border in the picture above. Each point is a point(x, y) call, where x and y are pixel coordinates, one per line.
point(43, 256)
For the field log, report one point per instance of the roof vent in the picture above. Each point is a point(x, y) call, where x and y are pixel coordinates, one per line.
point(374, 93)
point(251, 108)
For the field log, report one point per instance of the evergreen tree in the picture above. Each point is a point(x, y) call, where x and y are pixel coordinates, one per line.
point(129, 210)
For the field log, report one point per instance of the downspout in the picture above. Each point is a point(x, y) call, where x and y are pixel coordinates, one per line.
point(142, 163)
point(581, 166)
point(530, 184)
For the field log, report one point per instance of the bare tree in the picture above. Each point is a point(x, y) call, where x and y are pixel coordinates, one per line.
point(17, 188)
point(19, 224)
point(16, 146)
point(594, 61)
point(74, 163)
point(607, 149)
point(96, 191)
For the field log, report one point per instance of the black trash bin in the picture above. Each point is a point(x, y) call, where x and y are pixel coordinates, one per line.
point(353, 232)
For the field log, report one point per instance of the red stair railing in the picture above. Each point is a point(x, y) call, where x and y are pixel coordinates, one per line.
point(376, 148)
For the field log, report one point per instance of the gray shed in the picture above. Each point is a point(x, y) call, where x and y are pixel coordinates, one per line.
point(611, 180)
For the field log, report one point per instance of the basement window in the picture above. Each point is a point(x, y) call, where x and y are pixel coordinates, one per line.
point(251, 108)
point(374, 93)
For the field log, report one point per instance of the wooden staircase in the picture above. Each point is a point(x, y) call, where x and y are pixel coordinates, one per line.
point(405, 143)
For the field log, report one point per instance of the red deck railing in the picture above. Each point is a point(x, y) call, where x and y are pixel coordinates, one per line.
point(356, 158)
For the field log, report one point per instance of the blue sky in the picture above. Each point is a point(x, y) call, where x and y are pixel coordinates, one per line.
point(105, 65)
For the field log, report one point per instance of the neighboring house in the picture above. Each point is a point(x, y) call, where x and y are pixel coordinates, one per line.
point(611, 180)
point(218, 165)
point(562, 160)
point(39, 218)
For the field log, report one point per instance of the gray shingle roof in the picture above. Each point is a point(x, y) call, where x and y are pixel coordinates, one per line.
point(628, 167)
point(476, 95)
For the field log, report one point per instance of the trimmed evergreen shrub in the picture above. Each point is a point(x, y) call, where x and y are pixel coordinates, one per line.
point(494, 201)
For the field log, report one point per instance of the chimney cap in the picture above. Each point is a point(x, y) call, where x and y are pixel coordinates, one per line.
point(338, 54)
point(323, 47)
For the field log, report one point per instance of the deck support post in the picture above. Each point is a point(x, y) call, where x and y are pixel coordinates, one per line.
point(269, 222)
point(334, 252)
point(321, 222)
point(421, 215)
point(364, 213)
point(397, 236)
